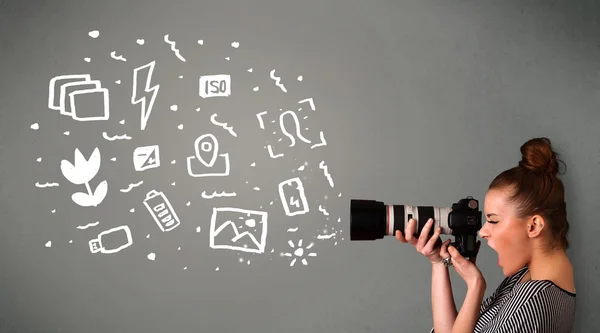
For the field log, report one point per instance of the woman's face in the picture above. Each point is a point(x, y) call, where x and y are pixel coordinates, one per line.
point(505, 233)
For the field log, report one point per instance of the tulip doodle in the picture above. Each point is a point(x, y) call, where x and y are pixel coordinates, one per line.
point(82, 172)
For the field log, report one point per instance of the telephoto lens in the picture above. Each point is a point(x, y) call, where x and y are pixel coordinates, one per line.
point(371, 219)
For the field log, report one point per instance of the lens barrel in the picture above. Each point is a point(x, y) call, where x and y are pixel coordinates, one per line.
point(371, 219)
point(367, 219)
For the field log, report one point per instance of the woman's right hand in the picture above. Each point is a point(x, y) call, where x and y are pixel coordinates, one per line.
point(429, 247)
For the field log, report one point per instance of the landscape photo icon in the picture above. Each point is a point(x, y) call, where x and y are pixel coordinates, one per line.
point(257, 241)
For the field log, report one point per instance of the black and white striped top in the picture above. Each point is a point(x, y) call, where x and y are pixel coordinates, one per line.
point(534, 306)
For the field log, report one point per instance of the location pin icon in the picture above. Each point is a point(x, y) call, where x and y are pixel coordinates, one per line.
point(206, 147)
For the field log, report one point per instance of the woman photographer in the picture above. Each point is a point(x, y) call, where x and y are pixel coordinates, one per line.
point(526, 224)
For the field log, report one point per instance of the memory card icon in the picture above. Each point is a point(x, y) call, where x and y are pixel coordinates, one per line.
point(293, 197)
point(146, 157)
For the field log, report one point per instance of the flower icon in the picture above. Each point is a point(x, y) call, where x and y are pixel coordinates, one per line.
point(82, 172)
point(299, 252)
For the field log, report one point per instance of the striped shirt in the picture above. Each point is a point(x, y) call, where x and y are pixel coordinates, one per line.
point(533, 306)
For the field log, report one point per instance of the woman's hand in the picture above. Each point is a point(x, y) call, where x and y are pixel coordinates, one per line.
point(429, 247)
point(467, 269)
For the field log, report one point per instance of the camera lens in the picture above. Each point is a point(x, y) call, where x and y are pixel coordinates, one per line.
point(371, 219)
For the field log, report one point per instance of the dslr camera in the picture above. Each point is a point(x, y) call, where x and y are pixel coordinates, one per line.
point(371, 220)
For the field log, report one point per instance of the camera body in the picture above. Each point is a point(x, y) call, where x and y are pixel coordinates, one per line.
point(370, 220)
point(465, 221)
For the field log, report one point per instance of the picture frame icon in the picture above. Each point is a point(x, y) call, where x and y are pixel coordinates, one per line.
point(247, 221)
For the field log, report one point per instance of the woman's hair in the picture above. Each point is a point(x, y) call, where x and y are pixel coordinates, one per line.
point(536, 189)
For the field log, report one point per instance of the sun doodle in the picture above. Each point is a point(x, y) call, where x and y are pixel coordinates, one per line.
point(299, 252)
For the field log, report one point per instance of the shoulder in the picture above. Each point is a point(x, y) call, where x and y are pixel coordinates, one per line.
point(542, 292)
point(530, 306)
point(541, 304)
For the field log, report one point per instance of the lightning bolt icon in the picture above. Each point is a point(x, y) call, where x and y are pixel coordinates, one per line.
point(140, 94)
point(294, 202)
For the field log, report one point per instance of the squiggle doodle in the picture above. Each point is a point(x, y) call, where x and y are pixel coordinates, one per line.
point(37, 184)
point(218, 195)
point(277, 81)
point(260, 121)
point(173, 48)
point(116, 137)
point(114, 55)
point(324, 167)
point(131, 186)
point(325, 236)
point(292, 229)
point(83, 227)
point(224, 125)
point(286, 133)
point(322, 210)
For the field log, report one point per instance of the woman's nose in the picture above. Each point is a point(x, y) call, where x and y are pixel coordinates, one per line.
point(483, 232)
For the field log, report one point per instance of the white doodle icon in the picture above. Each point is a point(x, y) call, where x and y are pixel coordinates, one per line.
point(215, 85)
point(161, 210)
point(298, 133)
point(146, 157)
point(77, 96)
point(143, 79)
point(207, 158)
point(277, 80)
point(173, 48)
point(293, 197)
point(224, 125)
point(82, 172)
point(310, 102)
point(299, 252)
point(112, 240)
point(252, 222)
point(325, 169)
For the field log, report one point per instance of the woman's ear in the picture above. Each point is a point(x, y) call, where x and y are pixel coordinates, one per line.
point(535, 225)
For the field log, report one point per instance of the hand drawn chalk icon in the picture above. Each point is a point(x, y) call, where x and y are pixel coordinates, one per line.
point(82, 172)
point(299, 252)
point(161, 210)
point(254, 226)
point(292, 114)
point(142, 76)
point(111, 241)
point(293, 197)
point(207, 153)
point(215, 85)
point(77, 96)
point(146, 157)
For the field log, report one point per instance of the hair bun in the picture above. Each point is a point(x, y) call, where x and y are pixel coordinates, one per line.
point(538, 156)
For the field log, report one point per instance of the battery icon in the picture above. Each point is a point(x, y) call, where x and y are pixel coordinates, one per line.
point(293, 197)
point(161, 210)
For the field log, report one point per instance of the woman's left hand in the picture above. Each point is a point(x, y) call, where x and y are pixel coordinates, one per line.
point(466, 268)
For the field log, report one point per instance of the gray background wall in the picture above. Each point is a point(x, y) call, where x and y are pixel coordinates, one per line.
point(420, 102)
